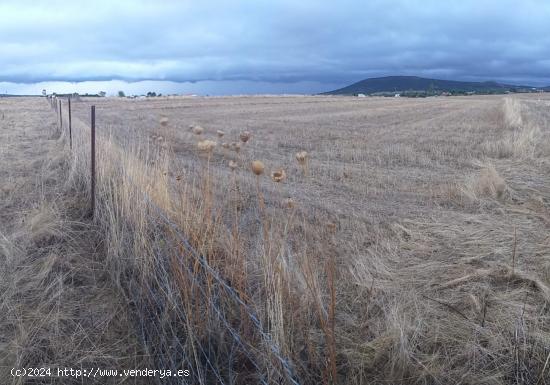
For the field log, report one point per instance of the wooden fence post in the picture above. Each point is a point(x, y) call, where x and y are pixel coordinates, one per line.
point(93, 161)
point(70, 127)
point(60, 117)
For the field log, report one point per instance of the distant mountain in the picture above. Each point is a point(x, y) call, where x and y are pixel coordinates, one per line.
point(417, 85)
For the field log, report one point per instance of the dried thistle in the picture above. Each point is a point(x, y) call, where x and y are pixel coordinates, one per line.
point(288, 202)
point(278, 175)
point(232, 165)
point(245, 136)
point(258, 167)
point(206, 145)
point(197, 130)
point(236, 147)
point(301, 157)
point(164, 121)
point(160, 138)
point(225, 145)
point(220, 133)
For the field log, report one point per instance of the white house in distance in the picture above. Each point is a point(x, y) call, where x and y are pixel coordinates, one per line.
point(361, 95)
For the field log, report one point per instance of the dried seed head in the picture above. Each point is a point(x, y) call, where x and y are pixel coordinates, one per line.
point(235, 147)
point(232, 165)
point(160, 138)
point(220, 133)
point(179, 177)
point(278, 175)
point(206, 145)
point(225, 145)
point(245, 136)
point(258, 167)
point(288, 202)
point(164, 121)
point(197, 130)
point(301, 157)
point(331, 227)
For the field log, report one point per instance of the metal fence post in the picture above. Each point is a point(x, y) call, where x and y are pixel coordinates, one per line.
point(93, 161)
point(60, 117)
point(70, 126)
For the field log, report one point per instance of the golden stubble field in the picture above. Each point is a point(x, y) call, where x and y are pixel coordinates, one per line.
point(410, 247)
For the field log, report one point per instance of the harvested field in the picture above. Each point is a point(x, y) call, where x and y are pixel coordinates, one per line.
point(410, 245)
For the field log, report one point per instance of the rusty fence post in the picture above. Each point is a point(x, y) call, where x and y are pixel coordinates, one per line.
point(60, 117)
point(70, 126)
point(93, 161)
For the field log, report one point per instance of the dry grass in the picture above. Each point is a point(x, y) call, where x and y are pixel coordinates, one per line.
point(57, 306)
point(406, 242)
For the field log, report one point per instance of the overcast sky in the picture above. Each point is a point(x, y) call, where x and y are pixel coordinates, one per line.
point(260, 46)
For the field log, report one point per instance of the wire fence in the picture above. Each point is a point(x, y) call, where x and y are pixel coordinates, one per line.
point(164, 314)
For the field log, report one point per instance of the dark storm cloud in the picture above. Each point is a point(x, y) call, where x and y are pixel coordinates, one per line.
point(274, 41)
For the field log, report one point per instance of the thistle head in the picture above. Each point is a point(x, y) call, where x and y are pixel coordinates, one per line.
point(220, 133)
point(278, 175)
point(235, 147)
point(301, 157)
point(197, 130)
point(288, 202)
point(244, 136)
point(164, 121)
point(258, 167)
point(206, 145)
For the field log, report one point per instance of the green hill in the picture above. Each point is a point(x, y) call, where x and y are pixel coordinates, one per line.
point(423, 86)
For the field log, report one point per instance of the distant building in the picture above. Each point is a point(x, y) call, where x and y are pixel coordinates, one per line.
point(361, 95)
point(397, 95)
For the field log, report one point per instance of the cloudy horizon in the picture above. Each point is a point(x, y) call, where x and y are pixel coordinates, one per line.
point(241, 47)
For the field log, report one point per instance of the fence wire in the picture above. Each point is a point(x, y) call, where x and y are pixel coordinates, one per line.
point(168, 343)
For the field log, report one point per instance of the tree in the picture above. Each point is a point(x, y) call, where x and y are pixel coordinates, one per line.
point(102, 94)
point(121, 94)
point(151, 94)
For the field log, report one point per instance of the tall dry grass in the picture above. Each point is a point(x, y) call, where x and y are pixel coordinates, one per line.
point(421, 300)
point(522, 136)
point(57, 308)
